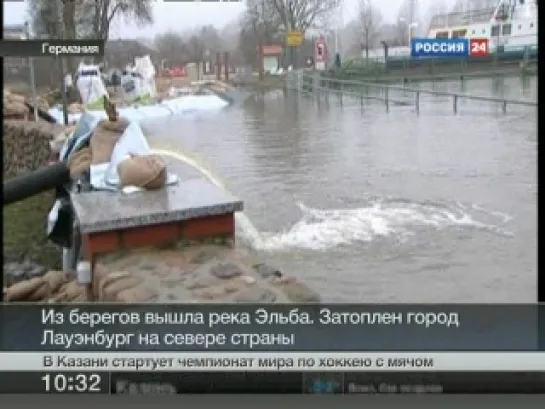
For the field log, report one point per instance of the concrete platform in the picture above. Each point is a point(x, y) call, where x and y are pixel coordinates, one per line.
point(193, 197)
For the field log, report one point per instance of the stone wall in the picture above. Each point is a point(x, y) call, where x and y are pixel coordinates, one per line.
point(183, 273)
point(27, 145)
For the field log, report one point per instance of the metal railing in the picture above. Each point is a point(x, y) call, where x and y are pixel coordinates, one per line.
point(317, 85)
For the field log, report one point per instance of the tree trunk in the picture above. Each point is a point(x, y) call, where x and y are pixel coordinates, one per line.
point(69, 21)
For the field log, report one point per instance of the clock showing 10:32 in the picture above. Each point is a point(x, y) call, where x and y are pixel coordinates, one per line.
point(75, 382)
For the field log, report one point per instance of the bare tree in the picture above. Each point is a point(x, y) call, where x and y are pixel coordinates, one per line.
point(85, 18)
point(303, 14)
point(263, 19)
point(196, 49)
point(259, 26)
point(210, 38)
point(369, 19)
point(47, 18)
point(229, 36)
point(351, 37)
point(407, 23)
point(138, 11)
point(171, 47)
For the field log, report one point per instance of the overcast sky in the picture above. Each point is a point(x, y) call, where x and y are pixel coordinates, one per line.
point(184, 16)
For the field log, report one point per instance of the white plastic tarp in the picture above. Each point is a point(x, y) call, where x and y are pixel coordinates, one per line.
point(176, 106)
point(90, 86)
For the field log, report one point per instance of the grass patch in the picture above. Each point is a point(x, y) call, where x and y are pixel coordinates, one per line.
point(25, 232)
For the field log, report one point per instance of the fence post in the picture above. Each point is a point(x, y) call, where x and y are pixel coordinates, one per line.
point(455, 103)
point(417, 101)
point(386, 99)
point(504, 107)
point(218, 66)
point(226, 66)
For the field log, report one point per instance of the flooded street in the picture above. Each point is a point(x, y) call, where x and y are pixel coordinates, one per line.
point(369, 206)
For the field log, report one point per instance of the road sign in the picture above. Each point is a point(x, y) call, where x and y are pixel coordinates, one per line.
point(320, 50)
point(294, 38)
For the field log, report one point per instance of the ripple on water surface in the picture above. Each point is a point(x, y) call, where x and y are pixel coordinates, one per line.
point(368, 206)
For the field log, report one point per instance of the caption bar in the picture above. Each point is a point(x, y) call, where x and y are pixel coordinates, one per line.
point(274, 361)
point(269, 328)
point(51, 48)
point(294, 316)
point(349, 383)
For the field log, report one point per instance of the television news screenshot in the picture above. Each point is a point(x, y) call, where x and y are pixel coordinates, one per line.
point(333, 197)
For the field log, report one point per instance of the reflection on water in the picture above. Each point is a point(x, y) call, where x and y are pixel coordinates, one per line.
point(368, 206)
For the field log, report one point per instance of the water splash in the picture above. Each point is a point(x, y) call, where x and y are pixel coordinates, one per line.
point(321, 230)
point(324, 229)
point(242, 221)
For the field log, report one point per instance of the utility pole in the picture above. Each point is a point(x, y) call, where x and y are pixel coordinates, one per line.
point(412, 10)
point(59, 25)
point(32, 76)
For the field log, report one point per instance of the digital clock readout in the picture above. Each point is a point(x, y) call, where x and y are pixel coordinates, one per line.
point(74, 382)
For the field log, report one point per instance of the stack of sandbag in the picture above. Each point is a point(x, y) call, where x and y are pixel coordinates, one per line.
point(142, 171)
point(42, 103)
point(55, 286)
point(120, 286)
point(70, 291)
point(14, 106)
point(102, 144)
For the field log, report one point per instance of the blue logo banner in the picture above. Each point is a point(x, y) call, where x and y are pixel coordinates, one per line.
point(439, 47)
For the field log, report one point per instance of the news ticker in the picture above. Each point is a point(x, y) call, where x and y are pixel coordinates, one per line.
point(51, 48)
point(273, 361)
point(449, 47)
point(171, 383)
point(271, 328)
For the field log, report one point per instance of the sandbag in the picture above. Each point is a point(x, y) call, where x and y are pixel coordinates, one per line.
point(14, 108)
point(145, 171)
point(41, 293)
point(70, 292)
point(104, 138)
point(21, 290)
point(55, 279)
point(80, 161)
point(116, 282)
